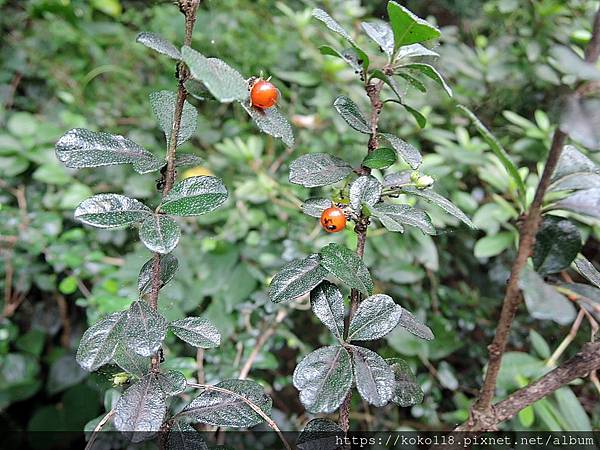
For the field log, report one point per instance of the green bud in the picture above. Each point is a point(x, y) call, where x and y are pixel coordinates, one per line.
point(414, 176)
point(121, 378)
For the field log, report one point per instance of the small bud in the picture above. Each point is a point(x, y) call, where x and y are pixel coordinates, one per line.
point(414, 176)
point(424, 181)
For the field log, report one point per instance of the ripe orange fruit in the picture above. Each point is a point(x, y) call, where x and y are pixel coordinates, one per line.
point(264, 94)
point(333, 220)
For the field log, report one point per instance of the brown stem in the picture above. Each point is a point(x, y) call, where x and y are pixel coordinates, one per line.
point(482, 407)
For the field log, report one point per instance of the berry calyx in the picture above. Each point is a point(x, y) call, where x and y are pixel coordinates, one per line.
point(263, 94)
point(333, 220)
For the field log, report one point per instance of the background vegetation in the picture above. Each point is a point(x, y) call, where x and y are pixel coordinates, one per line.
point(70, 63)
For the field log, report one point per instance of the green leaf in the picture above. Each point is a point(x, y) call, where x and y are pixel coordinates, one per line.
point(382, 34)
point(64, 373)
point(543, 301)
point(130, 361)
point(323, 378)
point(188, 159)
point(160, 233)
point(99, 342)
point(414, 82)
point(391, 82)
point(574, 171)
point(168, 267)
point(296, 278)
point(393, 217)
point(351, 113)
point(527, 416)
point(407, 391)
point(571, 63)
point(194, 196)
point(557, 244)
point(430, 72)
point(318, 169)
point(328, 305)
point(224, 83)
point(364, 190)
point(314, 207)
point(272, 122)
point(539, 344)
point(159, 44)
point(111, 210)
point(227, 409)
point(80, 148)
point(587, 269)
point(500, 153)
point(582, 202)
point(320, 434)
point(493, 245)
point(163, 106)
point(572, 410)
point(407, 152)
point(580, 121)
point(145, 329)
point(415, 51)
point(349, 55)
point(141, 409)
point(408, 28)
point(419, 118)
point(375, 317)
point(196, 331)
point(380, 158)
point(172, 382)
point(374, 377)
point(182, 436)
point(347, 266)
point(413, 326)
point(438, 200)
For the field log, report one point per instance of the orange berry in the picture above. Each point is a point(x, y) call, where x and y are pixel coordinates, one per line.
point(333, 220)
point(264, 94)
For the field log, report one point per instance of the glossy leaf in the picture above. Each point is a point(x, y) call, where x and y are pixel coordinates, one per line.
point(586, 202)
point(580, 120)
point(318, 169)
point(408, 28)
point(587, 269)
point(168, 267)
point(141, 409)
point(419, 118)
point(296, 278)
point(224, 83)
point(163, 105)
point(99, 342)
point(314, 207)
point(557, 244)
point(375, 317)
point(347, 266)
point(145, 329)
point(351, 113)
point(194, 196)
point(394, 217)
point(160, 233)
point(80, 148)
point(320, 434)
point(364, 190)
point(574, 171)
point(130, 361)
point(328, 305)
point(272, 122)
point(111, 211)
point(431, 72)
point(374, 377)
point(159, 44)
point(382, 34)
point(407, 152)
point(380, 158)
point(171, 382)
point(182, 436)
point(415, 51)
point(407, 391)
point(228, 409)
point(438, 200)
point(196, 331)
point(413, 326)
point(323, 378)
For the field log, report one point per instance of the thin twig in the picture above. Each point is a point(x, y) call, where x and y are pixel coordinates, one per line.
point(567, 340)
point(200, 366)
point(103, 422)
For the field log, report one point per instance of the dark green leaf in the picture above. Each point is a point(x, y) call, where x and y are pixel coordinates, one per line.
point(296, 278)
point(442, 202)
point(574, 171)
point(111, 210)
point(314, 207)
point(195, 196)
point(163, 105)
point(375, 317)
point(141, 409)
point(350, 55)
point(159, 44)
point(391, 82)
point(145, 329)
point(351, 114)
point(188, 159)
point(413, 326)
point(171, 382)
point(318, 169)
point(407, 152)
point(580, 120)
point(80, 148)
point(374, 377)
point(588, 270)
point(393, 217)
point(382, 34)
point(420, 118)
point(328, 305)
point(430, 72)
point(182, 436)
point(408, 28)
point(586, 202)
point(64, 373)
point(130, 361)
point(380, 158)
point(196, 331)
point(99, 342)
point(364, 190)
point(347, 266)
point(414, 82)
point(168, 267)
point(228, 409)
point(272, 122)
point(224, 83)
point(160, 233)
point(407, 391)
point(320, 434)
point(557, 244)
point(323, 378)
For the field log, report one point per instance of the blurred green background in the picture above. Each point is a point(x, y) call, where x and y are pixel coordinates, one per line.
point(71, 63)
